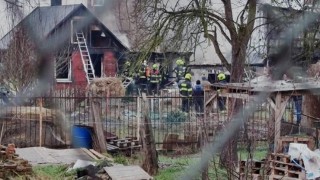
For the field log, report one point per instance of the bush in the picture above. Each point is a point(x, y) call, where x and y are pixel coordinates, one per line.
point(176, 117)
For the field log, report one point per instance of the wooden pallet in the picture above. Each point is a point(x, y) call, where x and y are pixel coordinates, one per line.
point(281, 167)
point(284, 141)
point(251, 167)
point(251, 176)
point(128, 144)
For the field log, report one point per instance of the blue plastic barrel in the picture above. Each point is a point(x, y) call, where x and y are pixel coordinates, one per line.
point(81, 137)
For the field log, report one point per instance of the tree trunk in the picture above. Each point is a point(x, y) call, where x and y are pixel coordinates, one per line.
point(229, 157)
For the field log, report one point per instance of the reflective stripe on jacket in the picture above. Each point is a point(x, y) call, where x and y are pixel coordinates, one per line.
point(185, 88)
point(180, 71)
point(155, 76)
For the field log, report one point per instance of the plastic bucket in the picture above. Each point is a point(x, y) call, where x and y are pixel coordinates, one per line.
point(81, 137)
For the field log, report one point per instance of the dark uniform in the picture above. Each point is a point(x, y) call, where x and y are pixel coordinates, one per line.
point(198, 98)
point(142, 78)
point(185, 89)
point(155, 78)
point(180, 72)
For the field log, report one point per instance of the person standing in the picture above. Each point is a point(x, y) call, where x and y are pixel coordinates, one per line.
point(222, 100)
point(198, 97)
point(143, 77)
point(155, 78)
point(185, 89)
point(180, 70)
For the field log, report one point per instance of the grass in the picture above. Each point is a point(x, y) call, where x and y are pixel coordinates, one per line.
point(178, 166)
point(53, 172)
point(259, 153)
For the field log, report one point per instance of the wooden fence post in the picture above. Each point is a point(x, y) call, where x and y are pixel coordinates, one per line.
point(150, 159)
point(40, 120)
point(97, 125)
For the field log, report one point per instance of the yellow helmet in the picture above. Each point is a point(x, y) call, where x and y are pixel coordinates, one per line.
point(221, 76)
point(179, 62)
point(188, 76)
point(155, 66)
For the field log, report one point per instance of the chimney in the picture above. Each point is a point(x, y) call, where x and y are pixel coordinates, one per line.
point(55, 2)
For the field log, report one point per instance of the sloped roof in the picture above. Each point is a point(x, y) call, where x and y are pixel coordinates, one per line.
point(43, 20)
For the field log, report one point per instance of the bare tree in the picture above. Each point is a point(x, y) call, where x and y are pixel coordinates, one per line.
point(19, 63)
point(178, 26)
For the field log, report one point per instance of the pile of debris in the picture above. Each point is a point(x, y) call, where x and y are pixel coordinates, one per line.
point(11, 164)
point(293, 159)
point(104, 168)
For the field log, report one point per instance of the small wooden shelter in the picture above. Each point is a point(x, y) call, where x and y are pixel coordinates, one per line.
point(278, 94)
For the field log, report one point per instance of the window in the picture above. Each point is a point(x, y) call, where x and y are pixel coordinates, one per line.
point(63, 69)
point(97, 2)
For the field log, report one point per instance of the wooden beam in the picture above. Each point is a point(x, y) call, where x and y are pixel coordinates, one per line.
point(279, 111)
point(271, 102)
point(138, 117)
point(211, 98)
point(150, 159)
point(98, 125)
point(235, 95)
point(40, 124)
point(89, 153)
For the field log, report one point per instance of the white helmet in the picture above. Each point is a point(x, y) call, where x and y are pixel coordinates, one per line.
point(145, 62)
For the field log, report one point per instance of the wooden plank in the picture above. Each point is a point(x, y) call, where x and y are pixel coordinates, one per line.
point(211, 98)
point(138, 117)
point(98, 126)
point(40, 119)
point(235, 95)
point(89, 153)
point(101, 156)
point(271, 103)
point(127, 173)
point(96, 153)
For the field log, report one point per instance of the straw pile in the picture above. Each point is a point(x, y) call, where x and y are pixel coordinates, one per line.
point(101, 87)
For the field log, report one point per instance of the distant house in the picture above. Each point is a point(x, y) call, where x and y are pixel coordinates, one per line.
point(103, 47)
point(305, 48)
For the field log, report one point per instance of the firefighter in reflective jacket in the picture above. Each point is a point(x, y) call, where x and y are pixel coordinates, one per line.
point(222, 100)
point(143, 76)
point(185, 89)
point(180, 70)
point(155, 78)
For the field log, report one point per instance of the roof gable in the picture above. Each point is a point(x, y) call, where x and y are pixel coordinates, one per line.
point(43, 20)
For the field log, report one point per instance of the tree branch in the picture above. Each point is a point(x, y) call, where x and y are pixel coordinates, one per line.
point(214, 40)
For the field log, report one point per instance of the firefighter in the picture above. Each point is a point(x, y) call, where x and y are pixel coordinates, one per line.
point(143, 77)
point(185, 89)
point(222, 100)
point(180, 70)
point(155, 78)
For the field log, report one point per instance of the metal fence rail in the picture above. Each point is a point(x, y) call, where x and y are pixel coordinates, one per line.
point(61, 109)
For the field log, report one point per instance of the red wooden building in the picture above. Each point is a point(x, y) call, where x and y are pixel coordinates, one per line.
point(87, 48)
